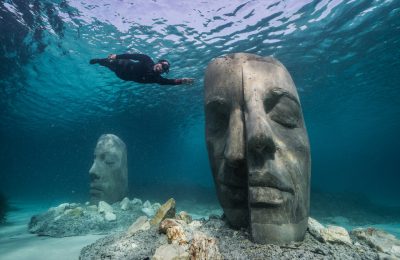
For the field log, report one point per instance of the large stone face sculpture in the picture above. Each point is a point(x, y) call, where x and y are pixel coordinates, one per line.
point(109, 172)
point(258, 146)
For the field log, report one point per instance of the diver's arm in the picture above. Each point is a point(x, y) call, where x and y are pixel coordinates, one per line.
point(165, 81)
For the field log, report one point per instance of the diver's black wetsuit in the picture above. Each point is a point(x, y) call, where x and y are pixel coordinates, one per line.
point(136, 67)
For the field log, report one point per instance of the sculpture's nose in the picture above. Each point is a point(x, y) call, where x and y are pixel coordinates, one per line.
point(260, 141)
point(234, 148)
point(93, 173)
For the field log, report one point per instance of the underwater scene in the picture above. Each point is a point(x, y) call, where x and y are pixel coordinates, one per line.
point(199, 129)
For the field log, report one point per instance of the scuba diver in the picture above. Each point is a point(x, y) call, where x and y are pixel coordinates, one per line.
point(139, 68)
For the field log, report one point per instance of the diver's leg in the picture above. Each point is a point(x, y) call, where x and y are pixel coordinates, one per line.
point(109, 63)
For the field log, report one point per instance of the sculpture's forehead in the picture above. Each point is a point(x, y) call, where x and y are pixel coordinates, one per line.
point(109, 146)
point(223, 78)
point(231, 76)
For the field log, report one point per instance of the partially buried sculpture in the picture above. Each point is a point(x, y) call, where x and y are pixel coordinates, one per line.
point(258, 146)
point(109, 172)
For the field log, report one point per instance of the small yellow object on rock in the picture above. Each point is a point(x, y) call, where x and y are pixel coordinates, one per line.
point(167, 210)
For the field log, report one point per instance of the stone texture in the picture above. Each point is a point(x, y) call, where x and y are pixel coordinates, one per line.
point(329, 234)
point(92, 208)
point(183, 215)
point(335, 234)
point(195, 224)
point(169, 222)
point(176, 234)
point(232, 244)
point(174, 230)
point(380, 240)
point(170, 252)
point(142, 223)
point(167, 210)
point(104, 207)
point(315, 228)
point(150, 209)
point(125, 204)
point(147, 204)
point(74, 219)
point(258, 146)
point(137, 202)
point(204, 247)
point(110, 216)
point(74, 212)
point(60, 208)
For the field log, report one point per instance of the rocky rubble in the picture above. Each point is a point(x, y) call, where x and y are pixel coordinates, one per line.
point(72, 219)
point(175, 238)
point(386, 244)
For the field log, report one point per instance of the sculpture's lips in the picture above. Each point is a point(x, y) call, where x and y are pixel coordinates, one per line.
point(266, 196)
point(95, 189)
point(265, 179)
point(268, 188)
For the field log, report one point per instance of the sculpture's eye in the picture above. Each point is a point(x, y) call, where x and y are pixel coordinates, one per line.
point(110, 163)
point(102, 156)
point(286, 112)
point(217, 118)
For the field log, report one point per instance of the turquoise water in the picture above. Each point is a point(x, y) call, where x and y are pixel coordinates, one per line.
point(344, 57)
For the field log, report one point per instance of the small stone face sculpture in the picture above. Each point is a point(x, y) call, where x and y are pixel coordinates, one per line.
point(258, 146)
point(109, 172)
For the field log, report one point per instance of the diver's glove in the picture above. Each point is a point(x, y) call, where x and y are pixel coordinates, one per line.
point(187, 81)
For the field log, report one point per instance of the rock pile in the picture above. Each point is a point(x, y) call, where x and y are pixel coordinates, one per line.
point(72, 219)
point(180, 238)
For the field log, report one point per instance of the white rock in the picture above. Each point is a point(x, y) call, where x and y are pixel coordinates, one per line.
point(63, 205)
point(73, 205)
point(380, 240)
point(87, 203)
point(383, 256)
point(109, 216)
point(142, 223)
point(170, 252)
point(60, 208)
point(125, 204)
point(314, 227)
point(104, 207)
point(395, 250)
point(156, 206)
point(195, 224)
point(149, 211)
point(147, 204)
point(336, 234)
point(74, 212)
point(136, 201)
point(92, 208)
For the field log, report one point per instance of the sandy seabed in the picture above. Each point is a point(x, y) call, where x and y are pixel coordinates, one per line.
point(16, 243)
